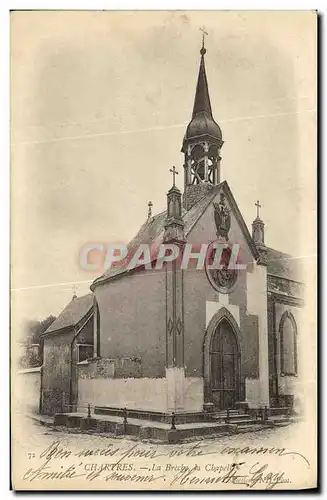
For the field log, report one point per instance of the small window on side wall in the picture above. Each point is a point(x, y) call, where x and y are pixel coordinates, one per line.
point(288, 344)
point(84, 352)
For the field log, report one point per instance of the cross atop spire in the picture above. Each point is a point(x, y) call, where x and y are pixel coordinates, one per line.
point(174, 172)
point(258, 207)
point(74, 292)
point(203, 49)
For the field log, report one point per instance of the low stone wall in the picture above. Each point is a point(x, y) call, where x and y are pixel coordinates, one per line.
point(118, 383)
point(132, 393)
point(27, 389)
point(104, 368)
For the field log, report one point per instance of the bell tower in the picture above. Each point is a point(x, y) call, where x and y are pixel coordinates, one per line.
point(202, 143)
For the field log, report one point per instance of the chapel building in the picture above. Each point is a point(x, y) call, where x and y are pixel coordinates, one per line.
point(190, 340)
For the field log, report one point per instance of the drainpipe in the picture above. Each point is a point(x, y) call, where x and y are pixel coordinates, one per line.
point(76, 334)
point(41, 391)
point(275, 344)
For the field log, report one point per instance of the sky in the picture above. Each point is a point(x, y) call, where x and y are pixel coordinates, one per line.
point(99, 105)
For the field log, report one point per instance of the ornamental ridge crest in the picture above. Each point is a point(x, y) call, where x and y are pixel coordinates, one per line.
point(222, 217)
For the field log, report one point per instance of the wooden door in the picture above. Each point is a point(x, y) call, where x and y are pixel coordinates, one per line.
point(224, 367)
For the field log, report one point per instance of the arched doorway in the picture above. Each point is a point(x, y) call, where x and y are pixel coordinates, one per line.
point(224, 366)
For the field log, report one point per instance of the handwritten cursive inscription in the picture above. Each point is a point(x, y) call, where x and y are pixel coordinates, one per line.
point(257, 474)
point(138, 464)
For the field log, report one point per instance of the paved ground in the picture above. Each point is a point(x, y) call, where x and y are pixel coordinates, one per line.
point(31, 443)
point(33, 435)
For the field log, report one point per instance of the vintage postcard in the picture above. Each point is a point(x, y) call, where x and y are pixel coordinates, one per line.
point(163, 250)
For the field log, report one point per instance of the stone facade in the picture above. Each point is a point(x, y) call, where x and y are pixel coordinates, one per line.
point(135, 323)
point(180, 340)
point(152, 332)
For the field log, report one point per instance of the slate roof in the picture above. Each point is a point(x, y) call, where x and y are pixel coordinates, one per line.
point(202, 123)
point(283, 265)
point(152, 232)
point(73, 313)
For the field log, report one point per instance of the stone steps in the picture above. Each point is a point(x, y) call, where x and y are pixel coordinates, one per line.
point(244, 421)
point(235, 417)
point(234, 411)
point(231, 414)
point(162, 431)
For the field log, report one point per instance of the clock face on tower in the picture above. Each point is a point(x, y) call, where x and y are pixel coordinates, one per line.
point(223, 279)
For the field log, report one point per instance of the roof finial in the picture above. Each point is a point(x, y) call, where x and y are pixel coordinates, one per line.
point(174, 172)
point(150, 205)
point(203, 49)
point(74, 292)
point(258, 235)
point(258, 207)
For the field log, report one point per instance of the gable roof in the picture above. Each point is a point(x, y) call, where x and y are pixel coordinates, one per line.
point(73, 313)
point(152, 231)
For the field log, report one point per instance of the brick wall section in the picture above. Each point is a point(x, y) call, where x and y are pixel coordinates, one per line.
point(102, 368)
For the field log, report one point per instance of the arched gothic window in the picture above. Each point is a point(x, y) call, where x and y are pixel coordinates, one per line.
point(288, 344)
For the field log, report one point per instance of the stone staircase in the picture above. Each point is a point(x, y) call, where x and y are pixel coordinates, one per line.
point(244, 420)
point(235, 416)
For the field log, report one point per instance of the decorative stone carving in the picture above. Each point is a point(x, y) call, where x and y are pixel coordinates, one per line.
point(222, 217)
point(223, 279)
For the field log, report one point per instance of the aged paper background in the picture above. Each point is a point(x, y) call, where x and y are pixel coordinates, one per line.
point(97, 96)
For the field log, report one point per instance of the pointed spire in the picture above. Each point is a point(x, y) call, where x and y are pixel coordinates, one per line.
point(202, 143)
point(202, 99)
